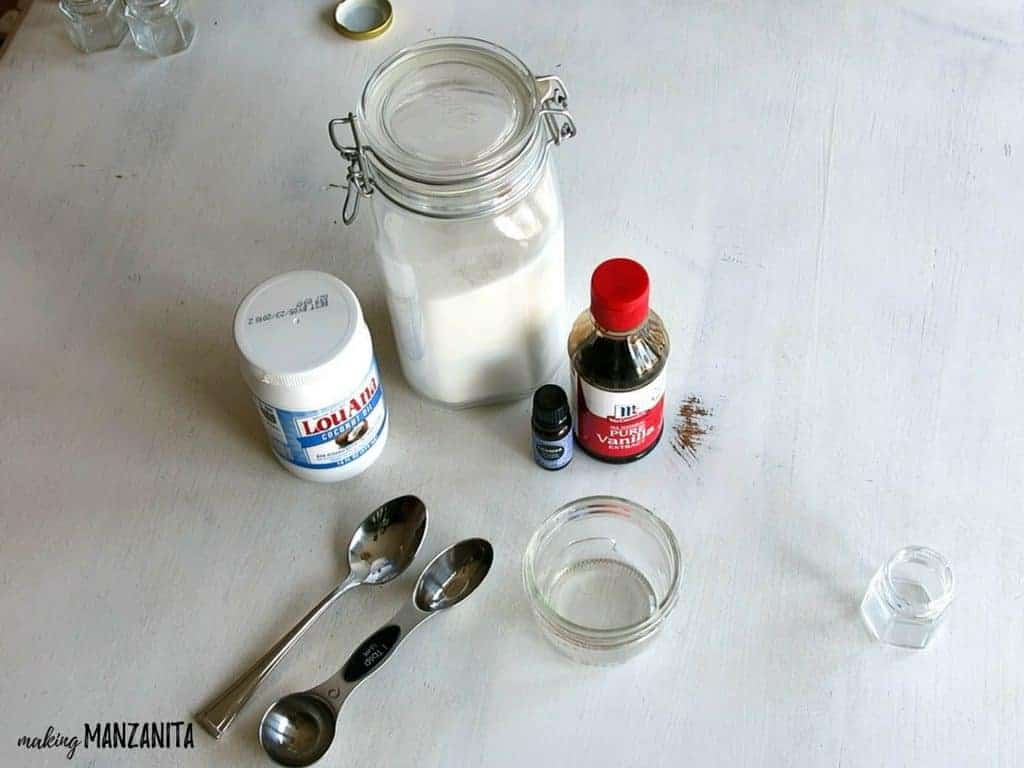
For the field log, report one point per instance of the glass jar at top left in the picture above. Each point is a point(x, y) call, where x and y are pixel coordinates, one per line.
point(94, 25)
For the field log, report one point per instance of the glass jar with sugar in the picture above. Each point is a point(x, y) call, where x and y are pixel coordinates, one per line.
point(452, 144)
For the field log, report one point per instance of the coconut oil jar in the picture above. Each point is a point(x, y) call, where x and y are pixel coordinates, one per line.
point(452, 146)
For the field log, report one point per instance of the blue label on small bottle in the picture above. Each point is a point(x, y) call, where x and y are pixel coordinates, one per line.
point(553, 454)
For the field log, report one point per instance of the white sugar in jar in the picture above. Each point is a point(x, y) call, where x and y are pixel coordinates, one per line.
point(307, 356)
point(453, 146)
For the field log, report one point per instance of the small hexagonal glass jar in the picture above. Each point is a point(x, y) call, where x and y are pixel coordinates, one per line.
point(159, 27)
point(907, 599)
point(94, 25)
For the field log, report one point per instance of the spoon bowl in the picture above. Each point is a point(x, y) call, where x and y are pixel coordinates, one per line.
point(453, 575)
point(386, 542)
point(299, 728)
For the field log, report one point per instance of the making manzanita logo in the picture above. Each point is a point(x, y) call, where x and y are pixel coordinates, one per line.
point(176, 734)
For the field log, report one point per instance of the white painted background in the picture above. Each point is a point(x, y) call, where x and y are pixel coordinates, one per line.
point(827, 196)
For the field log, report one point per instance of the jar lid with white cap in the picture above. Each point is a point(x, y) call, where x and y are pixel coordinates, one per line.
point(307, 356)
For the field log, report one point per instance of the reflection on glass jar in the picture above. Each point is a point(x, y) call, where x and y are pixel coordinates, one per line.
point(452, 145)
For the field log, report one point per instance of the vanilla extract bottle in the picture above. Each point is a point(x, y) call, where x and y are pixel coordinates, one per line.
point(618, 349)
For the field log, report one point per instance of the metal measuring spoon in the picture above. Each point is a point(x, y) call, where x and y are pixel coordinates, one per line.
point(383, 546)
point(298, 729)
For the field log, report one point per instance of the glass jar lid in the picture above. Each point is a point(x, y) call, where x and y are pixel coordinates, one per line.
point(449, 110)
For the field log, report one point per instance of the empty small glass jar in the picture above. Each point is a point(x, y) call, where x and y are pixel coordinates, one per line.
point(94, 25)
point(602, 574)
point(160, 27)
point(908, 597)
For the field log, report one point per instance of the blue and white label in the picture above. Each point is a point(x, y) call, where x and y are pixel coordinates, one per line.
point(553, 454)
point(332, 436)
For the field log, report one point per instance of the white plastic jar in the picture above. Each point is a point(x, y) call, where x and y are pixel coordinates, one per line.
point(307, 356)
point(452, 147)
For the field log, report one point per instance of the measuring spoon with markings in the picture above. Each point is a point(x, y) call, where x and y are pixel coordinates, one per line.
point(299, 728)
point(383, 546)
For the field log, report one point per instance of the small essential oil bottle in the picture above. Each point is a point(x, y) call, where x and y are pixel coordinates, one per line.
point(617, 351)
point(552, 427)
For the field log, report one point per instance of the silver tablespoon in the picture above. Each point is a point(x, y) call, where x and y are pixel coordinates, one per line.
point(299, 728)
point(383, 546)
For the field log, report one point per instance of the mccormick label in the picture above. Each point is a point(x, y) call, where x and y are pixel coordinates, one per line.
point(619, 425)
point(332, 436)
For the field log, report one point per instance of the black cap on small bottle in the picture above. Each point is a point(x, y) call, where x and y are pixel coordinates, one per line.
point(550, 407)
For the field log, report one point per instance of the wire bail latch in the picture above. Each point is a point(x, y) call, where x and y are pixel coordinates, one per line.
point(358, 182)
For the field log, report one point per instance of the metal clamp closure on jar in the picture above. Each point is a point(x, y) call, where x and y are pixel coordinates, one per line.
point(357, 182)
point(552, 103)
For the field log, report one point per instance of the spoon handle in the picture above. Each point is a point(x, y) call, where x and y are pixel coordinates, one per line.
point(221, 713)
point(370, 656)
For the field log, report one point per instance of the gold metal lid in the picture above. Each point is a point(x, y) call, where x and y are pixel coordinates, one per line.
point(363, 19)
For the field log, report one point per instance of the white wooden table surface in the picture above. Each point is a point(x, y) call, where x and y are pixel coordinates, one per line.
point(828, 198)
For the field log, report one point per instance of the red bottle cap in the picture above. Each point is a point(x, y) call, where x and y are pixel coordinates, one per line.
point(619, 295)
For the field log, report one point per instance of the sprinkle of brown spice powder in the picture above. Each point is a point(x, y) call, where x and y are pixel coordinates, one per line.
point(691, 428)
